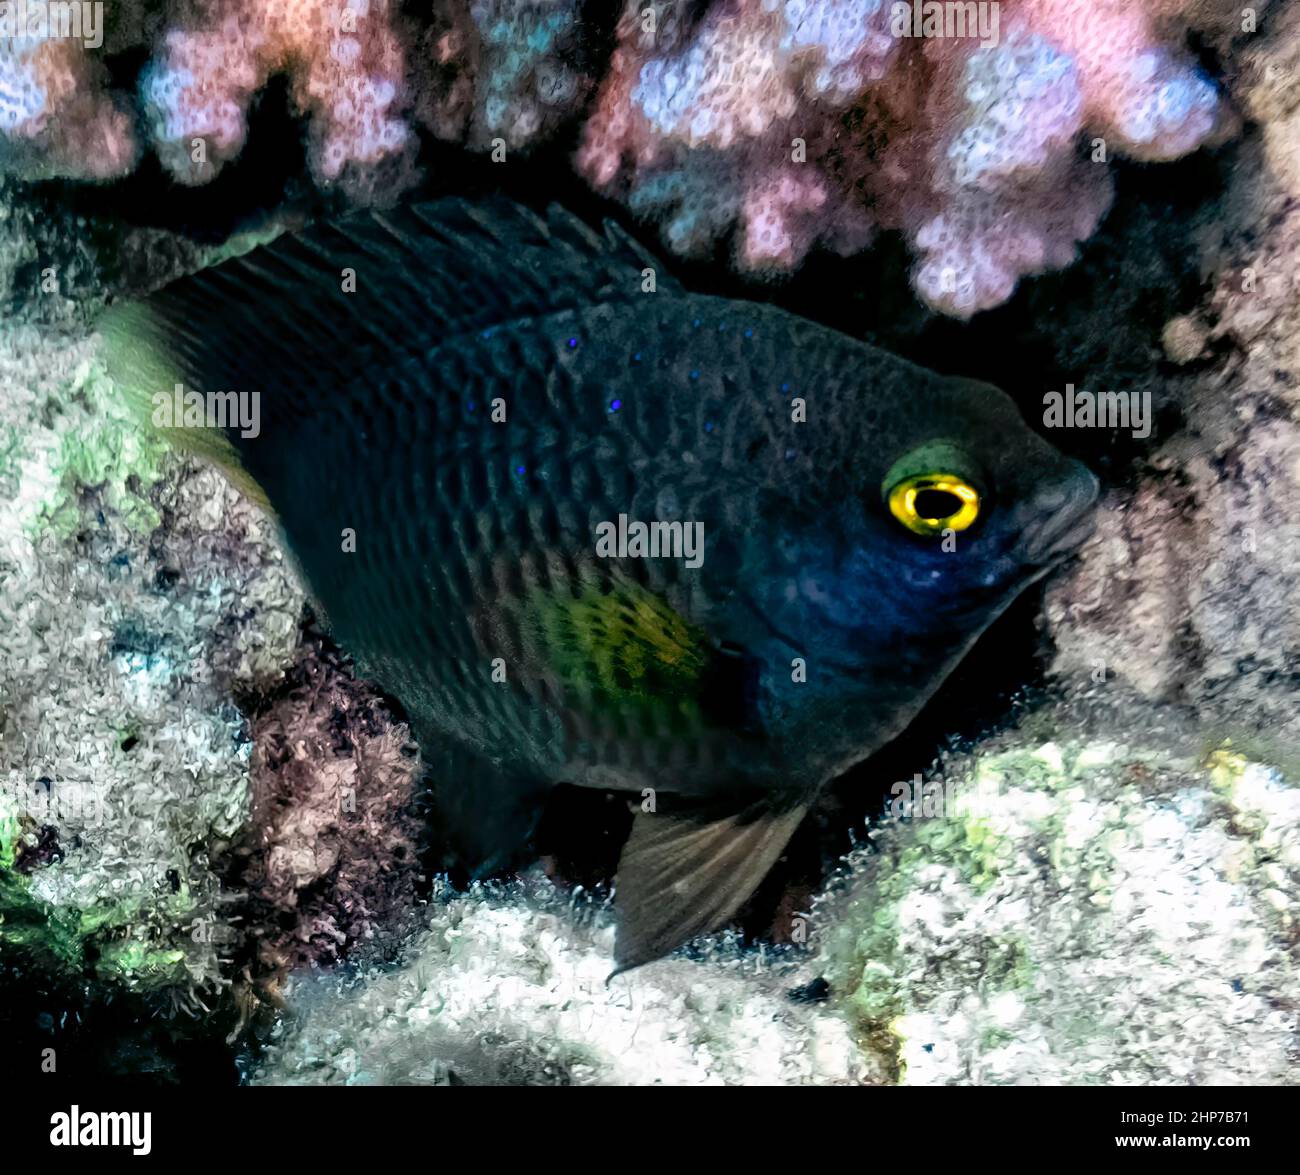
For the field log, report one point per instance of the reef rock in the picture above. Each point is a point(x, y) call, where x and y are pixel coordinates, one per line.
point(1091, 910)
point(507, 985)
point(1188, 592)
point(139, 592)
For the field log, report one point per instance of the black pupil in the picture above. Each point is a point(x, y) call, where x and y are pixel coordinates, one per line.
point(937, 503)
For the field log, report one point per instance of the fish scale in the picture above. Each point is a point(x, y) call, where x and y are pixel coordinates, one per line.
point(720, 697)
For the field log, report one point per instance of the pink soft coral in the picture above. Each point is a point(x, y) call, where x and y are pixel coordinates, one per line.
point(780, 124)
point(345, 64)
point(55, 118)
point(807, 123)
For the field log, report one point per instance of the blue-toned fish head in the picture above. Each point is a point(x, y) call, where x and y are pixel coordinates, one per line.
point(877, 577)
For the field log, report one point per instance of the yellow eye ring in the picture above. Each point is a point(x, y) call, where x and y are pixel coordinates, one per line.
point(905, 501)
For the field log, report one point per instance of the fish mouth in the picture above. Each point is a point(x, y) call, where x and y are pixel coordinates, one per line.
point(1068, 520)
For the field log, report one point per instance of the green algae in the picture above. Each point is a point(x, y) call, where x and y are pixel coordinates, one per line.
point(104, 448)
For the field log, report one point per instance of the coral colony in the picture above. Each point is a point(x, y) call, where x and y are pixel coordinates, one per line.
point(980, 131)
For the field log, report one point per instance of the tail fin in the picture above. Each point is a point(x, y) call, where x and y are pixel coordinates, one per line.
point(145, 367)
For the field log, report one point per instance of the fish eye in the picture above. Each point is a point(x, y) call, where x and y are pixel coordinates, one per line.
point(930, 503)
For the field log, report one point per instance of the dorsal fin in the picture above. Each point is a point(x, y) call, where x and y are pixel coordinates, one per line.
point(286, 320)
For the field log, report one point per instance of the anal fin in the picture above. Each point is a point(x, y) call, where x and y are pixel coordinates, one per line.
point(684, 874)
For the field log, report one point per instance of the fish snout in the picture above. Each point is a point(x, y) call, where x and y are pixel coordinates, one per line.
point(1061, 517)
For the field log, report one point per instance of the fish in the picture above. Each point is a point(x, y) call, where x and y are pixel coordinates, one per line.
point(591, 528)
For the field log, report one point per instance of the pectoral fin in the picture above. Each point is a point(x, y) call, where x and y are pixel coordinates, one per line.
point(681, 875)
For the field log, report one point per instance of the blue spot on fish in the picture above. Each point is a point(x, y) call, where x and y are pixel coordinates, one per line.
point(615, 405)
